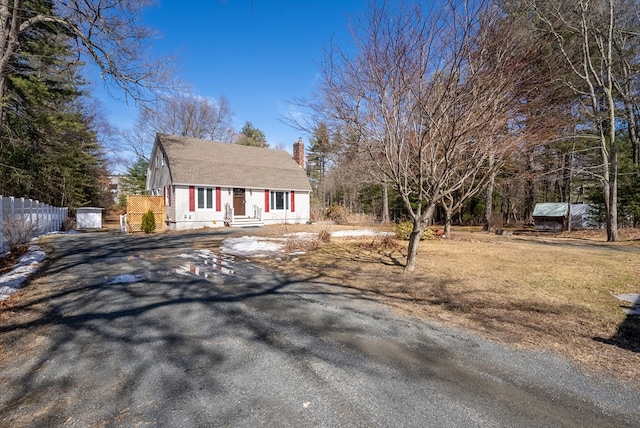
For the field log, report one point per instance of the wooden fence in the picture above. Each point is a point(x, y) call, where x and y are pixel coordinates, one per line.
point(22, 218)
point(137, 205)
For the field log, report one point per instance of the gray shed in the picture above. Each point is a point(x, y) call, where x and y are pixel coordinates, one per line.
point(552, 216)
point(89, 218)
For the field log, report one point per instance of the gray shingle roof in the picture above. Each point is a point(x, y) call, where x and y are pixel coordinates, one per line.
point(201, 162)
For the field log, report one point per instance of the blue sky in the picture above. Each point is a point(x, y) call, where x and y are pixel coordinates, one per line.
point(259, 54)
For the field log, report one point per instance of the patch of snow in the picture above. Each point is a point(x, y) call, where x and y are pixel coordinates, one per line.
point(631, 298)
point(634, 299)
point(6, 291)
point(250, 246)
point(126, 278)
point(359, 232)
point(27, 265)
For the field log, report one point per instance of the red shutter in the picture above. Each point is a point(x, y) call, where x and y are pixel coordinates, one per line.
point(218, 199)
point(192, 198)
point(266, 201)
point(293, 201)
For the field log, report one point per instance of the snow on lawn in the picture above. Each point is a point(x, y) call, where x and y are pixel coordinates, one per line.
point(358, 233)
point(251, 246)
point(27, 265)
point(254, 246)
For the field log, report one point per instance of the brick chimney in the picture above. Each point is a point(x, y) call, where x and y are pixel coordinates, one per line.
point(298, 152)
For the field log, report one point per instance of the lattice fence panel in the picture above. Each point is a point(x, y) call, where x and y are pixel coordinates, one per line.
point(137, 205)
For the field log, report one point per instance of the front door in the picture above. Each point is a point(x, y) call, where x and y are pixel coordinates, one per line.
point(238, 202)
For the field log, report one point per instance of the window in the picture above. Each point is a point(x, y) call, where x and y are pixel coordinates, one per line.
point(280, 200)
point(167, 196)
point(205, 198)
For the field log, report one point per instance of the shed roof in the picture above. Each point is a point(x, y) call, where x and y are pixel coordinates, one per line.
point(551, 209)
point(201, 162)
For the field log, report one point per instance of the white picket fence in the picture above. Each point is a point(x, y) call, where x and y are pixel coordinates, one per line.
point(28, 216)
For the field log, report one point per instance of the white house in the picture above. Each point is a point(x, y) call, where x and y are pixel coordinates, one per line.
point(210, 184)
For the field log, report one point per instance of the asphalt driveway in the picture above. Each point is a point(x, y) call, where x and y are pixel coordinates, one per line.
point(134, 330)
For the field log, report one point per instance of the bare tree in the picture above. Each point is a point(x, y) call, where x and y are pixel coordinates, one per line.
point(593, 26)
point(186, 115)
point(107, 32)
point(626, 43)
point(425, 109)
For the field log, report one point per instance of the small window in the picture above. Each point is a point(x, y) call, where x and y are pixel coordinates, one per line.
point(209, 198)
point(280, 200)
point(167, 196)
point(205, 198)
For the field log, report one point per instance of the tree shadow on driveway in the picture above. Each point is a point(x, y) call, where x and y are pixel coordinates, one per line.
point(249, 348)
point(84, 349)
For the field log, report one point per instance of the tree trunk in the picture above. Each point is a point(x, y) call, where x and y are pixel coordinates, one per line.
point(9, 26)
point(568, 178)
point(419, 224)
point(385, 202)
point(612, 215)
point(488, 204)
point(633, 134)
point(530, 190)
point(412, 253)
point(447, 224)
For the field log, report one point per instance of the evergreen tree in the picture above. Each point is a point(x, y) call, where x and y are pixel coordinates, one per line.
point(319, 156)
point(134, 182)
point(251, 136)
point(48, 149)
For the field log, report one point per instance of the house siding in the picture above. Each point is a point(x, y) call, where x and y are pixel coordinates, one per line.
point(182, 211)
point(185, 219)
point(299, 214)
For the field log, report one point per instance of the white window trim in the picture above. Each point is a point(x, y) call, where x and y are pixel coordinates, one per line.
point(208, 203)
point(273, 200)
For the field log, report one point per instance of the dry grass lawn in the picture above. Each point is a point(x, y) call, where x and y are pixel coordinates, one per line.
point(551, 292)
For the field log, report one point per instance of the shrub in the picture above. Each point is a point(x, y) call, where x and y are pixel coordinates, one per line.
point(148, 222)
point(17, 233)
point(324, 236)
point(403, 231)
point(388, 243)
point(68, 224)
point(384, 243)
point(338, 213)
point(295, 244)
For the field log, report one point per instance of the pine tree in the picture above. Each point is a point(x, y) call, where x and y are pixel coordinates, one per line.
point(134, 181)
point(48, 150)
point(251, 136)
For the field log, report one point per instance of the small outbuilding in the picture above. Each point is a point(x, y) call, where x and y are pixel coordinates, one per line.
point(89, 218)
point(553, 216)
